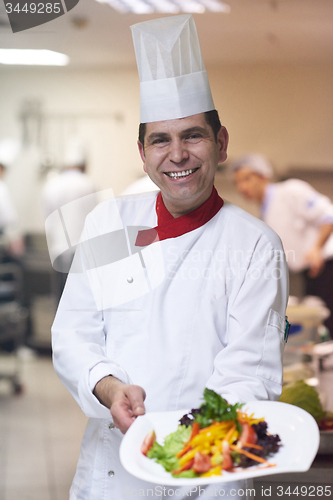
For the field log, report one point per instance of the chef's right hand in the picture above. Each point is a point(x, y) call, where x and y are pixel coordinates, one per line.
point(125, 401)
point(314, 258)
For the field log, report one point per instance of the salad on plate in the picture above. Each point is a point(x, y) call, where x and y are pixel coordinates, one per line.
point(214, 438)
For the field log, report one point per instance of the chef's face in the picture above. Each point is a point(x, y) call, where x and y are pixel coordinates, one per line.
point(181, 157)
point(250, 184)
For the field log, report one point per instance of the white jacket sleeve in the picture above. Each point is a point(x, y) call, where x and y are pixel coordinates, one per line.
point(78, 342)
point(250, 366)
point(307, 203)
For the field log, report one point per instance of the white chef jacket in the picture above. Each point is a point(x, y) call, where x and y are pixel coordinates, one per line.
point(295, 210)
point(207, 310)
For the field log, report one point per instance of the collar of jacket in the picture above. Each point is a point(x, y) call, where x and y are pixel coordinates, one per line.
point(170, 227)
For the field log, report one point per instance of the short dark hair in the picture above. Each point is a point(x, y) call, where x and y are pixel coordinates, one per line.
point(211, 117)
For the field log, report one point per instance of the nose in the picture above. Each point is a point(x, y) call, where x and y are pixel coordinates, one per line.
point(178, 151)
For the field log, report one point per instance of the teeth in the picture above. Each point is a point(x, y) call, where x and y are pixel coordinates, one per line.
point(184, 173)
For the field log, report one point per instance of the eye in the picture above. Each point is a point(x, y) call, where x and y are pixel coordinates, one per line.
point(194, 138)
point(159, 141)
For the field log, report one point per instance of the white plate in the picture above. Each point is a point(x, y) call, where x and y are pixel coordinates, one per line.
point(298, 431)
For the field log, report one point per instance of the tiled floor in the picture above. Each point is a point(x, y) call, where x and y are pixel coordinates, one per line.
point(40, 435)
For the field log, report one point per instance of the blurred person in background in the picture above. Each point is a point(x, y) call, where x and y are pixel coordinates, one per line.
point(11, 241)
point(13, 285)
point(60, 198)
point(302, 217)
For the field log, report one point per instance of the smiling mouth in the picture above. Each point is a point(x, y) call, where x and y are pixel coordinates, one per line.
point(180, 175)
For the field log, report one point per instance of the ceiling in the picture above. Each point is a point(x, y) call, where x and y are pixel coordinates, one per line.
point(255, 31)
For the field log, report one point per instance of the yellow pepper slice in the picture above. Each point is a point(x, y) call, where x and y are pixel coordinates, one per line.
point(214, 471)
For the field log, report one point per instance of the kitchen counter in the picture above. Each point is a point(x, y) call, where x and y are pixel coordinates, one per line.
point(292, 485)
point(320, 475)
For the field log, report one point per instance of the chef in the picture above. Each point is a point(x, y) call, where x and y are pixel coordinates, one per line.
point(8, 216)
point(302, 217)
point(10, 234)
point(173, 291)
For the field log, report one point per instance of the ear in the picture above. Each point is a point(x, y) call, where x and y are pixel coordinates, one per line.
point(222, 141)
point(142, 154)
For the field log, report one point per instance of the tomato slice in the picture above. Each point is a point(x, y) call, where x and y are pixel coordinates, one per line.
point(148, 442)
point(201, 463)
point(248, 434)
point(227, 460)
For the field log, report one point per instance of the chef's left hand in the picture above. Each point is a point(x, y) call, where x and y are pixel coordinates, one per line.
point(315, 260)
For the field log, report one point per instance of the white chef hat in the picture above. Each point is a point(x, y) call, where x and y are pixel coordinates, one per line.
point(75, 153)
point(173, 79)
point(257, 163)
point(9, 150)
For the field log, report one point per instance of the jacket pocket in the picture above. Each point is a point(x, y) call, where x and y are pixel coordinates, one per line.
point(270, 365)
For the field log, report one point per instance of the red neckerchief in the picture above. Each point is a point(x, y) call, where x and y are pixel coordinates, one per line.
point(170, 227)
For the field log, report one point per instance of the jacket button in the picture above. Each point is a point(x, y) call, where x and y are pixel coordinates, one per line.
point(130, 279)
point(111, 473)
point(111, 426)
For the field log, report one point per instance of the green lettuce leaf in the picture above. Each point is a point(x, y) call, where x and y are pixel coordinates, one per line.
point(186, 473)
point(173, 444)
point(216, 408)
